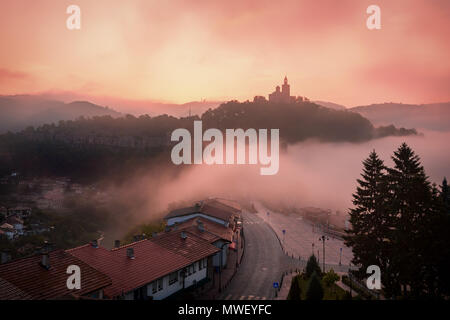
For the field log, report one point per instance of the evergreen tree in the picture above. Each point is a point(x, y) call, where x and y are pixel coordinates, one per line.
point(411, 204)
point(330, 278)
point(445, 196)
point(312, 266)
point(294, 291)
point(441, 231)
point(315, 290)
point(371, 221)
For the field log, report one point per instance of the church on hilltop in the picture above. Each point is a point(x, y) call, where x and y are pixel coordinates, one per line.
point(281, 95)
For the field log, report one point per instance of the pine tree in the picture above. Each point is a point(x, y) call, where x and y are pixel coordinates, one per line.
point(315, 290)
point(294, 291)
point(445, 196)
point(312, 266)
point(441, 232)
point(411, 204)
point(371, 222)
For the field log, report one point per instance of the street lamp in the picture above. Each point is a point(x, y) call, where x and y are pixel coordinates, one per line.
point(323, 239)
point(340, 256)
point(312, 245)
point(237, 245)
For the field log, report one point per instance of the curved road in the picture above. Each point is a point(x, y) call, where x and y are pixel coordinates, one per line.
point(262, 264)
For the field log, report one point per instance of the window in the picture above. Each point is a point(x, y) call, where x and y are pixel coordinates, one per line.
point(154, 287)
point(194, 269)
point(160, 284)
point(173, 277)
point(202, 264)
point(189, 270)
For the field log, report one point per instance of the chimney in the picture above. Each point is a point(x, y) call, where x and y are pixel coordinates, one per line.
point(183, 235)
point(45, 261)
point(94, 243)
point(116, 243)
point(130, 253)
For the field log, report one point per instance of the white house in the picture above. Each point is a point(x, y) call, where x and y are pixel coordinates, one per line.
point(214, 210)
point(151, 269)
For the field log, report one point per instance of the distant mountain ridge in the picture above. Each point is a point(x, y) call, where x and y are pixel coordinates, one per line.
point(330, 105)
point(20, 111)
point(433, 116)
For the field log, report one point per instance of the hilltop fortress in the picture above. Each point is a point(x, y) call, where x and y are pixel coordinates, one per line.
point(281, 95)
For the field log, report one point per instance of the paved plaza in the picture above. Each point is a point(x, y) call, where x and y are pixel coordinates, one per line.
point(301, 239)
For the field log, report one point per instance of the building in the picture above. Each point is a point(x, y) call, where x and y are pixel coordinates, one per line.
point(151, 269)
point(218, 217)
point(17, 224)
point(216, 234)
point(216, 210)
point(284, 95)
point(7, 230)
point(44, 277)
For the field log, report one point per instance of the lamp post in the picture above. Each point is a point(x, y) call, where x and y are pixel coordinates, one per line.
point(312, 245)
point(323, 239)
point(340, 256)
point(237, 246)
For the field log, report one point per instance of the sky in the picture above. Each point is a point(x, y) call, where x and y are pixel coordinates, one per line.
point(189, 50)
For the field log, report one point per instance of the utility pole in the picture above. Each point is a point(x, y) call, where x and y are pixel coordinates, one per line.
point(323, 239)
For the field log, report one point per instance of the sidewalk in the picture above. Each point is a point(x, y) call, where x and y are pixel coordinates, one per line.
point(300, 239)
point(286, 286)
point(211, 290)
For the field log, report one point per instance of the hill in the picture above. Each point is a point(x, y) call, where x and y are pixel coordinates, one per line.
point(330, 105)
point(425, 116)
point(299, 121)
point(94, 147)
point(21, 111)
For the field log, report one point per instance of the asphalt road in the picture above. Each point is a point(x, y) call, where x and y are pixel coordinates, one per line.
point(262, 264)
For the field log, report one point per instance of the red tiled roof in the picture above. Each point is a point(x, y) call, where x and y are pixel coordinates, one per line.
point(211, 207)
point(8, 291)
point(193, 247)
point(153, 259)
point(212, 231)
point(26, 278)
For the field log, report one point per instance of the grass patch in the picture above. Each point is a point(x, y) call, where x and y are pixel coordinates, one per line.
point(333, 292)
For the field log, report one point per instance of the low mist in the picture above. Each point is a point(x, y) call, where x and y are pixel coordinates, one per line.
point(311, 174)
